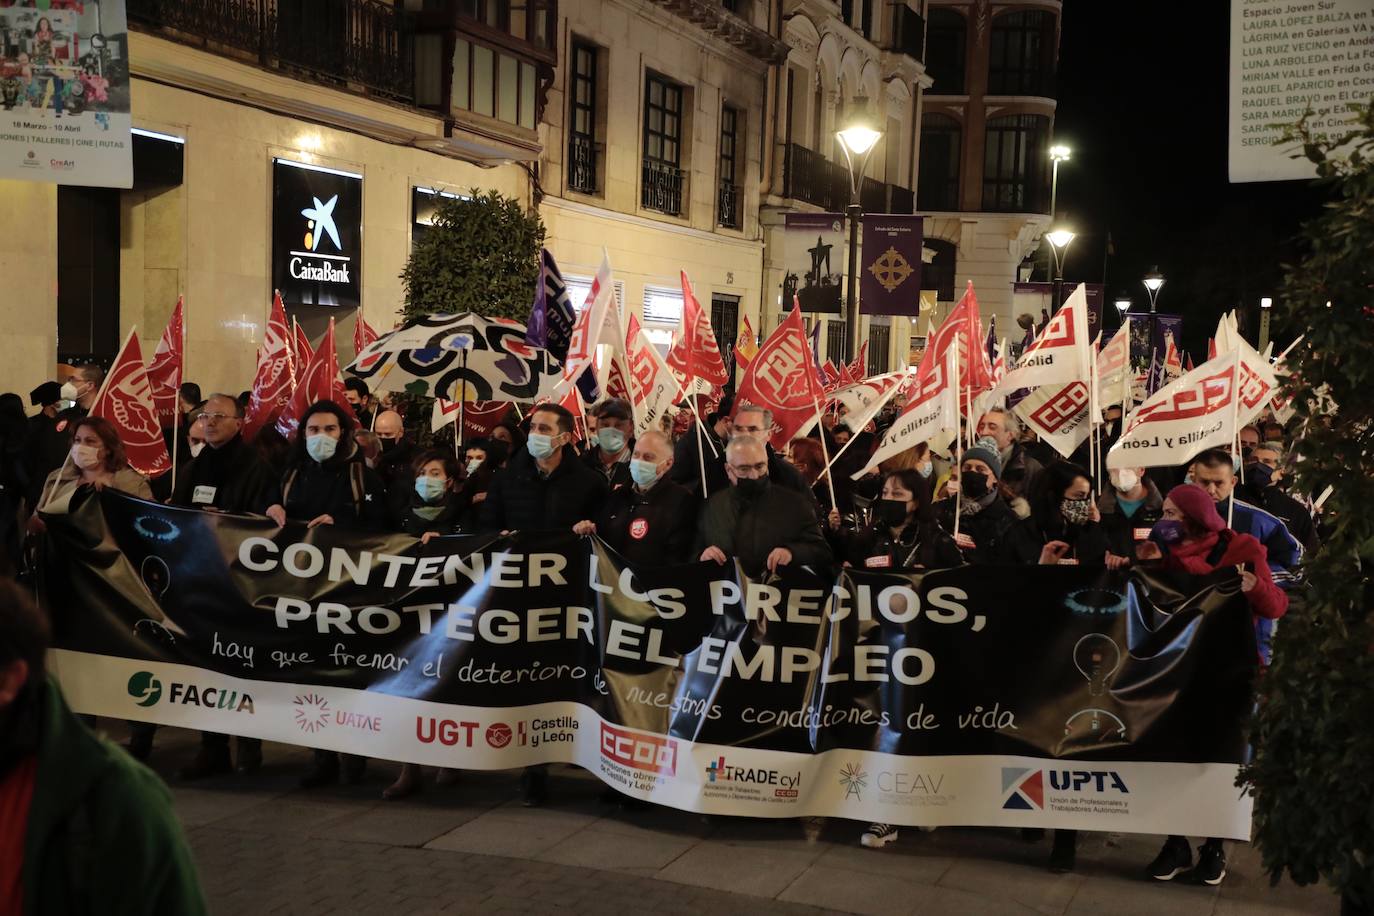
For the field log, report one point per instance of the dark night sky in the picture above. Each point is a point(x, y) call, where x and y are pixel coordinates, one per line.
point(1143, 104)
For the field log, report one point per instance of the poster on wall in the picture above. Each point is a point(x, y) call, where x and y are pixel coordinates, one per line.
point(890, 273)
point(1035, 296)
point(1287, 58)
point(317, 234)
point(1150, 337)
point(815, 261)
point(64, 93)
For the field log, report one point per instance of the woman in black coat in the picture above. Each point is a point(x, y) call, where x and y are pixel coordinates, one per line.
point(902, 533)
point(1064, 525)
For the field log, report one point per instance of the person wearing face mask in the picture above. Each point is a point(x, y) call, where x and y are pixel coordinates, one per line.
point(1263, 472)
point(1129, 509)
point(50, 432)
point(901, 533)
point(613, 441)
point(360, 399)
point(985, 517)
point(1192, 537)
point(396, 453)
point(482, 459)
point(759, 522)
point(1019, 468)
point(805, 455)
point(650, 520)
point(756, 423)
point(96, 460)
point(511, 436)
point(1064, 526)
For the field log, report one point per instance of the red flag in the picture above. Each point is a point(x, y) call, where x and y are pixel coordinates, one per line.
point(858, 370)
point(781, 378)
point(319, 381)
point(126, 400)
point(273, 382)
point(168, 365)
point(362, 334)
point(847, 376)
point(696, 354)
point(617, 386)
point(1211, 348)
point(1190, 362)
point(302, 352)
point(964, 326)
point(479, 417)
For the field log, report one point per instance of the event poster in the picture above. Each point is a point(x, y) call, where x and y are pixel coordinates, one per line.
point(1150, 336)
point(815, 253)
point(1040, 696)
point(1036, 296)
point(890, 270)
point(64, 91)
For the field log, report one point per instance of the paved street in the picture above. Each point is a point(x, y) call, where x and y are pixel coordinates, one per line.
point(263, 846)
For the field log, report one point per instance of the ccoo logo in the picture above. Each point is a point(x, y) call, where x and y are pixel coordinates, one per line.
point(145, 688)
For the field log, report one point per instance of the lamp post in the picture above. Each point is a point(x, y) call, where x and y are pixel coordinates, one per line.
point(1153, 281)
point(857, 140)
point(1058, 154)
point(1059, 245)
point(1123, 305)
point(1266, 307)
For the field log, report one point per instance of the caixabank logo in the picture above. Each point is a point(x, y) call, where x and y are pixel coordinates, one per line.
point(146, 690)
point(1065, 791)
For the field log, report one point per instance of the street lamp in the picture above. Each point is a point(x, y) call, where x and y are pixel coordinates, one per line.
point(1153, 281)
point(1059, 246)
point(1266, 307)
point(1123, 305)
point(1058, 154)
point(857, 140)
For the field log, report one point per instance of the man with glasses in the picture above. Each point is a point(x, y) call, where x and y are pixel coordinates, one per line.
point(757, 424)
point(763, 524)
point(226, 476)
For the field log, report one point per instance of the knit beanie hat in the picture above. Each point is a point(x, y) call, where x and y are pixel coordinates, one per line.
point(986, 451)
point(1197, 505)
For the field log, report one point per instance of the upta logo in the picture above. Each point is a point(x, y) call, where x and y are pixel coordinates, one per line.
point(1025, 789)
point(145, 688)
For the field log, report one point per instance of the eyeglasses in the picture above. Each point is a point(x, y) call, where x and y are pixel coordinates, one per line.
point(760, 468)
point(216, 417)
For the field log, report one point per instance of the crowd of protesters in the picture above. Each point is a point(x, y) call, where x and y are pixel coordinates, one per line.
point(716, 492)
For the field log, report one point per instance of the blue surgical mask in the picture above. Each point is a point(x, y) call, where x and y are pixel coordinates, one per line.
point(610, 439)
point(474, 466)
point(430, 488)
point(539, 445)
point(644, 473)
point(925, 469)
point(321, 447)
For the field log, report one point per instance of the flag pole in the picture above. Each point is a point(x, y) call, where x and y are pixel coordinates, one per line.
point(958, 454)
point(701, 457)
point(1235, 431)
point(825, 450)
point(462, 405)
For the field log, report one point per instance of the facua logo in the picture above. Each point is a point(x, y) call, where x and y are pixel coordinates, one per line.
point(652, 753)
point(145, 688)
point(498, 735)
point(1024, 788)
point(311, 712)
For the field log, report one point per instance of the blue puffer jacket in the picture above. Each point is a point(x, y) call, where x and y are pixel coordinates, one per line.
point(1284, 556)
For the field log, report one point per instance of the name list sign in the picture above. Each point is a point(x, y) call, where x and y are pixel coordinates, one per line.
point(1288, 56)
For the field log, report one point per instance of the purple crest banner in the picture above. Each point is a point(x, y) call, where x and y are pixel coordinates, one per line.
point(890, 269)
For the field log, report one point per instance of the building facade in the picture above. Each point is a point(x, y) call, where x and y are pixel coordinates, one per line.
point(855, 54)
point(985, 136)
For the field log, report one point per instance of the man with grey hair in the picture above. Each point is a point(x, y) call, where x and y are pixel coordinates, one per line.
point(1018, 467)
point(649, 519)
point(756, 520)
point(755, 422)
point(1264, 469)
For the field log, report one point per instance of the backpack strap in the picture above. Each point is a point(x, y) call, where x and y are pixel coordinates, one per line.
point(1219, 549)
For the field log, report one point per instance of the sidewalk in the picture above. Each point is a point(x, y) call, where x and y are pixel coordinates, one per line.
point(264, 846)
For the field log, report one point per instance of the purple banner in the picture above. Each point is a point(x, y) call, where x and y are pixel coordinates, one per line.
point(815, 261)
point(1097, 300)
point(890, 269)
point(1150, 335)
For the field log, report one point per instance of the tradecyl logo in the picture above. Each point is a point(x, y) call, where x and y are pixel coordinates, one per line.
point(653, 753)
point(145, 688)
point(1024, 789)
point(787, 785)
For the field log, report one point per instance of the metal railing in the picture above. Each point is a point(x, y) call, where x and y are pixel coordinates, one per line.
point(364, 45)
point(729, 205)
point(900, 199)
point(873, 196)
point(661, 187)
point(810, 177)
point(581, 164)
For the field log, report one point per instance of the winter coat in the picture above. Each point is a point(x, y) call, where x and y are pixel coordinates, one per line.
point(924, 546)
point(520, 497)
point(750, 529)
point(343, 487)
point(63, 483)
point(987, 530)
point(1124, 532)
point(231, 478)
point(654, 528)
point(1219, 550)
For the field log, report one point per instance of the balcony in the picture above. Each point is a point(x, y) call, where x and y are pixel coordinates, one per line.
point(363, 46)
point(908, 33)
point(581, 164)
point(873, 196)
point(900, 199)
point(813, 179)
point(662, 187)
point(729, 206)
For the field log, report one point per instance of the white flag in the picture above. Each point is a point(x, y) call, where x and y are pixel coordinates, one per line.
point(1058, 414)
point(653, 386)
point(1062, 352)
point(591, 327)
point(444, 413)
point(1114, 376)
point(858, 397)
point(1201, 410)
point(931, 416)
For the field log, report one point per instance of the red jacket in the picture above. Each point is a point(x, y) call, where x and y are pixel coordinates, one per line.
point(1266, 599)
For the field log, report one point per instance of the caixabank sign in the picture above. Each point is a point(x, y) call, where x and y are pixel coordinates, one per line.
point(317, 234)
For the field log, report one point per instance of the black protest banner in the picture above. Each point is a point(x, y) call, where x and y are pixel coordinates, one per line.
point(1040, 696)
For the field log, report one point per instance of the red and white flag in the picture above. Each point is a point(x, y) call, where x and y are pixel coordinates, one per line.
point(1061, 353)
point(166, 371)
point(999, 365)
point(782, 378)
point(1201, 410)
point(962, 330)
point(598, 316)
point(858, 397)
point(479, 417)
point(696, 354)
point(272, 385)
point(858, 369)
point(1114, 375)
point(362, 333)
point(931, 416)
point(301, 352)
point(126, 400)
point(1059, 414)
point(1173, 361)
point(654, 388)
point(319, 381)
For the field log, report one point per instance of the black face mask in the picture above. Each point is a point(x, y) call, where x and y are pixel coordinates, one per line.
point(890, 512)
point(751, 489)
point(975, 486)
point(388, 444)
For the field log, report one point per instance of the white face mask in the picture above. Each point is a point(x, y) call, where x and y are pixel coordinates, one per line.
point(86, 457)
point(1125, 480)
point(68, 391)
point(196, 448)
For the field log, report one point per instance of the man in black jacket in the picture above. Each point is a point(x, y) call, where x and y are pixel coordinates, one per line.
point(1129, 510)
point(397, 452)
point(227, 476)
point(1263, 472)
point(757, 423)
point(650, 520)
point(1018, 467)
point(545, 486)
point(762, 524)
point(985, 519)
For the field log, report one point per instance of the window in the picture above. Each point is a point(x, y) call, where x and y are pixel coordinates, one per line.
point(527, 20)
point(938, 187)
point(1021, 56)
point(834, 341)
point(492, 84)
point(424, 205)
point(939, 273)
point(582, 151)
point(663, 305)
point(1015, 164)
point(729, 203)
point(725, 324)
point(662, 177)
point(581, 287)
point(946, 37)
point(879, 343)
